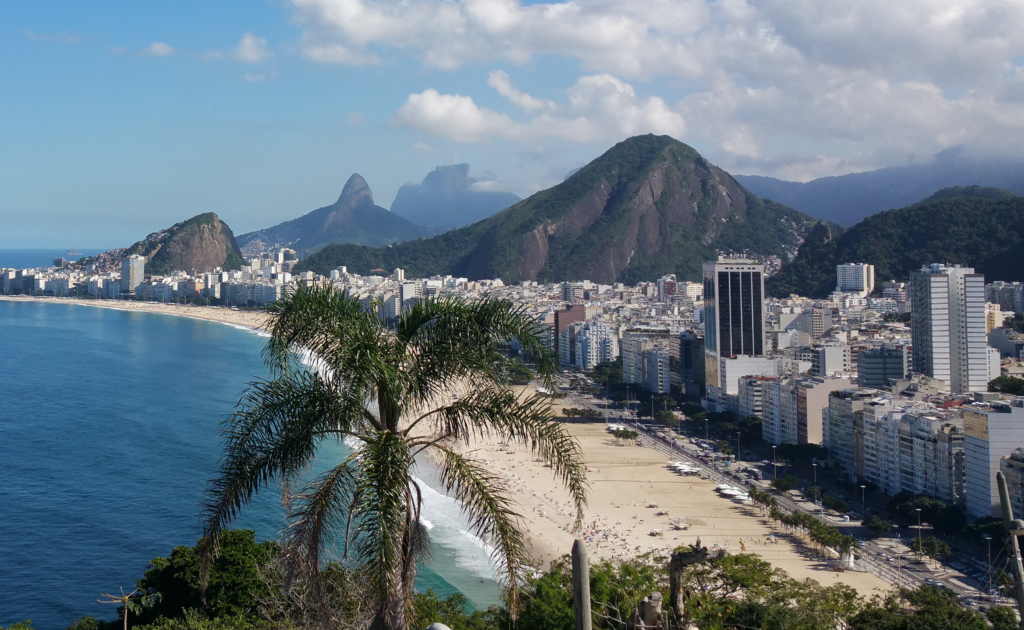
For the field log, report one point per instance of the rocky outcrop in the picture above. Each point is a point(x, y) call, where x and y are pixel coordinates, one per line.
point(202, 243)
point(449, 198)
point(353, 218)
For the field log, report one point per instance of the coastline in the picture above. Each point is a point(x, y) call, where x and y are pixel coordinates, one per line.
point(624, 480)
point(245, 319)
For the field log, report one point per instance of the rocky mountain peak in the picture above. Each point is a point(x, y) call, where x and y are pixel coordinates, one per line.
point(355, 193)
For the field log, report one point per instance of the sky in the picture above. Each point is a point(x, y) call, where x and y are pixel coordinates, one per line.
point(119, 118)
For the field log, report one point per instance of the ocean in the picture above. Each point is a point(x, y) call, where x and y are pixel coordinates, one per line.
point(29, 258)
point(109, 431)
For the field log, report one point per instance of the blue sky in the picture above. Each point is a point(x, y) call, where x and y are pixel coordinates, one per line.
point(120, 118)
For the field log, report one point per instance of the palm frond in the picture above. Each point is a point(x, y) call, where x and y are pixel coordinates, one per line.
point(491, 512)
point(449, 340)
point(272, 436)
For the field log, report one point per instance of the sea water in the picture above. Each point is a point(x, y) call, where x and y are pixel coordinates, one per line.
point(109, 431)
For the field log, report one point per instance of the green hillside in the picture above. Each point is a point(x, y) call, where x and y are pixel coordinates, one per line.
point(650, 205)
point(977, 227)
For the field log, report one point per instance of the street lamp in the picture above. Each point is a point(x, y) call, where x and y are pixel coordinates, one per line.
point(815, 482)
point(920, 548)
point(988, 539)
point(707, 436)
point(775, 462)
point(738, 451)
point(863, 500)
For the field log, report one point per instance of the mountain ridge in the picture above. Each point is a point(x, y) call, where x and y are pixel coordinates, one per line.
point(848, 199)
point(650, 205)
point(352, 218)
point(970, 225)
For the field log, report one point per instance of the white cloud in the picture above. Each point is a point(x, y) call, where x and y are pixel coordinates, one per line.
point(490, 185)
point(426, 148)
point(500, 81)
point(599, 108)
point(774, 86)
point(453, 117)
point(60, 38)
point(251, 49)
point(158, 49)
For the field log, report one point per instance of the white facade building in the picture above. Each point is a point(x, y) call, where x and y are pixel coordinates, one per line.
point(948, 327)
point(856, 278)
point(993, 431)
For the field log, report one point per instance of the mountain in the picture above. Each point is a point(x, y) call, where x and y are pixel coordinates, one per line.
point(448, 199)
point(650, 205)
point(353, 218)
point(201, 243)
point(849, 198)
point(973, 226)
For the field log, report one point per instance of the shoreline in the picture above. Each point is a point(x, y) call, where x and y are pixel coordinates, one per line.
point(246, 319)
point(624, 480)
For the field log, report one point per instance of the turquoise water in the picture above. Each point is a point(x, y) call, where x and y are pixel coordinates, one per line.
point(109, 425)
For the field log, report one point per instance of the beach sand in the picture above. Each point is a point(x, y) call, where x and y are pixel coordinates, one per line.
point(247, 319)
point(624, 479)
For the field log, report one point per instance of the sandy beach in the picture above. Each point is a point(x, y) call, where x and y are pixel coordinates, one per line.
point(209, 313)
point(625, 480)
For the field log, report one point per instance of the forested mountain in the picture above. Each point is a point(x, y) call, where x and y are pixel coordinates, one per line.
point(973, 226)
point(448, 198)
point(201, 243)
point(353, 218)
point(849, 198)
point(650, 205)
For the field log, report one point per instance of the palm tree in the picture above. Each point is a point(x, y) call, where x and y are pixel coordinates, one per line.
point(390, 388)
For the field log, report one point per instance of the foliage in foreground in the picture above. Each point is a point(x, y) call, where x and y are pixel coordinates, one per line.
point(740, 592)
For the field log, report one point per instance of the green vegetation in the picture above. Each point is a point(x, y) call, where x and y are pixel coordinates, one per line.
point(1015, 323)
point(519, 373)
point(577, 412)
point(625, 434)
point(834, 503)
point(931, 547)
point(786, 483)
point(279, 425)
point(725, 593)
point(878, 525)
point(608, 373)
point(979, 227)
point(1007, 385)
point(947, 519)
point(591, 218)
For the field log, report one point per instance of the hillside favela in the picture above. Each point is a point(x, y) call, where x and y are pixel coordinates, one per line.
point(687, 316)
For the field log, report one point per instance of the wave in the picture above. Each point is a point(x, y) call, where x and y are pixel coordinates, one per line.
point(444, 518)
point(255, 331)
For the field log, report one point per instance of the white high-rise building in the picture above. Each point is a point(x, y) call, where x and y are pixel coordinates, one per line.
point(948, 327)
point(856, 278)
point(993, 431)
point(596, 342)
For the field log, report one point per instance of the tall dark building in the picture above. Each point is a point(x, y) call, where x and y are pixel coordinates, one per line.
point(734, 341)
